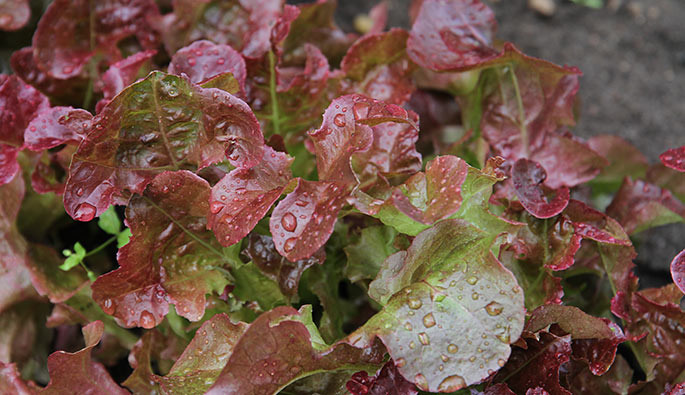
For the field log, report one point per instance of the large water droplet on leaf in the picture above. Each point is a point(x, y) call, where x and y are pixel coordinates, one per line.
point(289, 222)
point(428, 320)
point(423, 338)
point(108, 307)
point(494, 308)
point(452, 383)
point(84, 212)
point(414, 303)
point(147, 320)
point(339, 120)
point(421, 382)
point(289, 244)
point(452, 348)
point(215, 207)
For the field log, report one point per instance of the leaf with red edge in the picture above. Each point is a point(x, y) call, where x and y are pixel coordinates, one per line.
point(639, 205)
point(244, 196)
point(346, 129)
point(203, 60)
point(50, 174)
point(674, 158)
point(426, 197)
point(77, 372)
point(447, 282)
point(678, 270)
point(9, 166)
point(19, 103)
point(452, 35)
point(538, 364)
point(625, 160)
point(387, 380)
point(592, 224)
point(244, 25)
point(280, 346)
point(303, 221)
point(122, 74)
point(170, 258)
point(528, 177)
point(14, 14)
point(55, 126)
point(15, 282)
point(667, 178)
point(160, 123)
point(71, 32)
point(378, 67)
point(393, 151)
point(204, 358)
point(70, 91)
point(12, 383)
point(262, 251)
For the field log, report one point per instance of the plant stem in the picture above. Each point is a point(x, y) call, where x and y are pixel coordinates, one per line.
point(276, 121)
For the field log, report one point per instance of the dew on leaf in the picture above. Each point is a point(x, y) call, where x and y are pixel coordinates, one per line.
point(428, 320)
point(414, 303)
point(472, 280)
point(421, 382)
point(339, 120)
point(289, 244)
point(452, 348)
point(85, 212)
point(147, 320)
point(493, 308)
point(400, 362)
point(423, 338)
point(452, 384)
point(289, 222)
point(412, 345)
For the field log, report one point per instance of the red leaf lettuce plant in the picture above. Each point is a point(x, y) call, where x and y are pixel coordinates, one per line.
point(310, 211)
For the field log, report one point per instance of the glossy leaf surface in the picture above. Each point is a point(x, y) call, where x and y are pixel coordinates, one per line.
point(203, 60)
point(160, 123)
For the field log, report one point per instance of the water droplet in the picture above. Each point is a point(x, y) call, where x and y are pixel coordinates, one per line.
point(452, 384)
point(192, 61)
point(428, 320)
point(84, 212)
point(501, 362)
point(67, 69)
point(108, 307)
point(215, 207)
point(412, 345)
point(439, 297)
point(408, 326)
point(79, 192)
point(301, 203)
point(504, 338)
point(421, 382)
point(400, 362)
point(452, 348)
point(493, 308)
point(474, 296)
point(289, 244)
point(423, 338)
point(289, 222)
point(414, 303)
point(221, 61)
point(147, 320)
point(444, 358)
point(472, 280)
point(339, 120)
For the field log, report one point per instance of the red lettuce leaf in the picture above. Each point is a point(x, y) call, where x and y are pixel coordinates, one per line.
point(14, 14)
point(244, 196)
point(280, 346)
point(625, 160)
point(591, 224)
point(170, 258)
point(160, 123)
point(378, 67)
point(77, 372)
point(12, 383)
point(674, 158)
point(678, 270)
point(430, 196)
point(262, 251)
point(527, 177)
point(302, 222)
point(537, 365)
point(667, 178)
point(452, 35)
point(346, 129)
point(9, 166)
point(204, 358)
point(50, 174)
point(244, 25)
point(122, 74)
point(387, 380)
point(392, 153)
point(639, 205)
point(71, 32)
point(69, 91)
point(15, 282)
point(447, 282)
point(19, 103)
point(55, 126)
point(203, 60)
